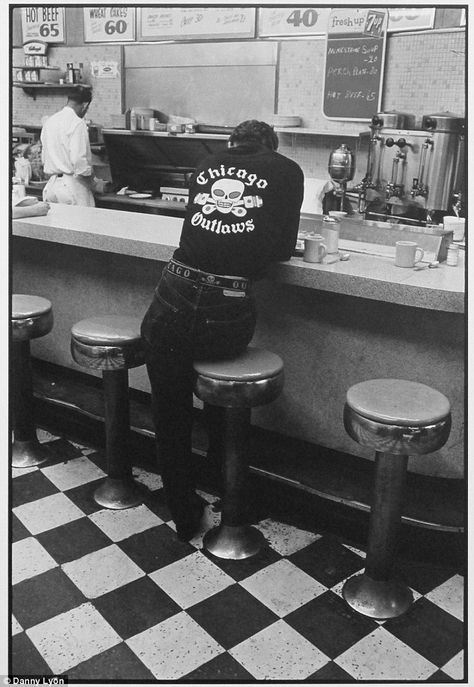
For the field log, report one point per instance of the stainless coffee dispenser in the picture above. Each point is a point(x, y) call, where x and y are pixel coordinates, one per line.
point(413, 174)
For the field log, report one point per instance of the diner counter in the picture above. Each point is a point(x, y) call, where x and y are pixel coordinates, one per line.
point(333, 325)
point(155, 237)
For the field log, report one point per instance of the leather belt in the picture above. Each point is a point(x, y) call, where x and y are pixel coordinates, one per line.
point(207, 278)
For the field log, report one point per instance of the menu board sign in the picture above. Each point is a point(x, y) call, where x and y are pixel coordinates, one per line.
point(109, 24)
point(355, 55)
point(189, 23)
point(410, 18)
point(43, 23)
point(292, 21)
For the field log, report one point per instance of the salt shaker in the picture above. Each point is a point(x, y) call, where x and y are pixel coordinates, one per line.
point(453, 255)
point(330, 232)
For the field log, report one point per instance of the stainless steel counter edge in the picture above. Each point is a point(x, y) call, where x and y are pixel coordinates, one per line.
point(155, 237)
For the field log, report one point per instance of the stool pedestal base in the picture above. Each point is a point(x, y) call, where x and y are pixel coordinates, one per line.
point(233, 542)
point(27, 454)
point(379, 599)
point(118, 494)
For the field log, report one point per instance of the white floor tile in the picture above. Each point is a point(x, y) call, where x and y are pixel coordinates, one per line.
point(175, 647)
point(29, 558)
point(44, 436)
point(283, 587)
point(455, 667)
point(149, 479)
point(48, 512)
point(17, 472)
point(381, 656)
point(102, 571)
point(191, 579)
point(16, 627)
point(73, 473)
point(358, 552)
point(120, 524)
point(284, 538)
point(450, 596)
point(279, 653)
point(73, 637)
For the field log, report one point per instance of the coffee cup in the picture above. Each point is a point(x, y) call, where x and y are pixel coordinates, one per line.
point(408, 253)
point(456, 225)
point(314, 248)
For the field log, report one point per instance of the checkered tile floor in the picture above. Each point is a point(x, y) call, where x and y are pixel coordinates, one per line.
point(104, 595)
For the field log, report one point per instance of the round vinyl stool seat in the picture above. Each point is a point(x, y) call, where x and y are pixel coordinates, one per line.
point(254, 378)
point(31, 317)
point(113, 344)
point(397, 418)
point(251, 379)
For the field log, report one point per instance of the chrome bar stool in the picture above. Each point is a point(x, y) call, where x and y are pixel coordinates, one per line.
point(113, 345)
point(32, 317)
point(397, 418)
point(237, 385)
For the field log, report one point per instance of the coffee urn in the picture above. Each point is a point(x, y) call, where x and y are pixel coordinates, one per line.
point(341, 168)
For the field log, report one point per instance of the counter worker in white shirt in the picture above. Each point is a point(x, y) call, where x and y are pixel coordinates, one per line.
point(66, 153)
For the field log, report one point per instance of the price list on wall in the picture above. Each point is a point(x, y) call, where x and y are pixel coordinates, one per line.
point(292, 21)
point(182, 23)
point(108, 24)
point(355, 56)
point(43, 23)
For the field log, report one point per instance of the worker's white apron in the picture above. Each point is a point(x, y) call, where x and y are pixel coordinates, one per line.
point(68, 189)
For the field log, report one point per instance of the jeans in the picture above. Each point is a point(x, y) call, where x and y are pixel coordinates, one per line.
point(187, 321)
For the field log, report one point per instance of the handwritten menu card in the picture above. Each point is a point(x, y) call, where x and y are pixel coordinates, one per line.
point(355, 55)
point(181, 23)
point(292, 21)
point(107, 24)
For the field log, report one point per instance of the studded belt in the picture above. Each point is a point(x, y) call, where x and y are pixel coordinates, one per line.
point(208, 278)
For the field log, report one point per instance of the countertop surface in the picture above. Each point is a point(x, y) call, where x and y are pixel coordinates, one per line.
point(156, 236)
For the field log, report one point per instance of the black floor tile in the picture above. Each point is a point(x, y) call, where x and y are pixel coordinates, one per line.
point(18, 530)
point(83, 496)
point(44, 596)
point(25, 658)
point(439, 676)
point(232, 615)
point(30, 487)
point(330, 673)
point(155, 548)
point(136, 607)
point(432, 632)
point(327, 561)
point(62, 451)
point(118, 663)
point(241, 569)
point(422, 576)
point(329, 624)
point(221, 668)
point(156, 502)
point(73, 540)
point(99, 458)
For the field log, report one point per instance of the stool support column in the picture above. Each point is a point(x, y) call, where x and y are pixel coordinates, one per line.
point(26, 450)
point(119, 489)
point(233, 539)
point(388, 490)
point(375, 593)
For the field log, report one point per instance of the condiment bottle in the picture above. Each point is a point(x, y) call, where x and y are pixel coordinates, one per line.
point(330, 233)
point(453, 255)
point(133, 120)
point(70, 72)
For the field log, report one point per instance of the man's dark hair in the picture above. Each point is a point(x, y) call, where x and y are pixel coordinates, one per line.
point(81, 95)
point(253, 131)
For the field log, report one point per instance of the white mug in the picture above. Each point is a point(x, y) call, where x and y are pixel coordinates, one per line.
point(406, 253)
point(314, 248)
point(456, 225)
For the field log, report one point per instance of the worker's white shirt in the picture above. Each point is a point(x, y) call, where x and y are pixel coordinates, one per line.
point(65, 144)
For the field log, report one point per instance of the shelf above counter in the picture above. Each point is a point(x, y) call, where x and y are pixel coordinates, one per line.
point(304, 131)
point(31, 87)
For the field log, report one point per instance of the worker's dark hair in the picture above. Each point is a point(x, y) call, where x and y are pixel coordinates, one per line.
point(253, 131)
point(81, 95)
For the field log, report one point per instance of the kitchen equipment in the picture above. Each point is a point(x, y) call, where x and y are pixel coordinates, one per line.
point(413, 174)
point(341, 168)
